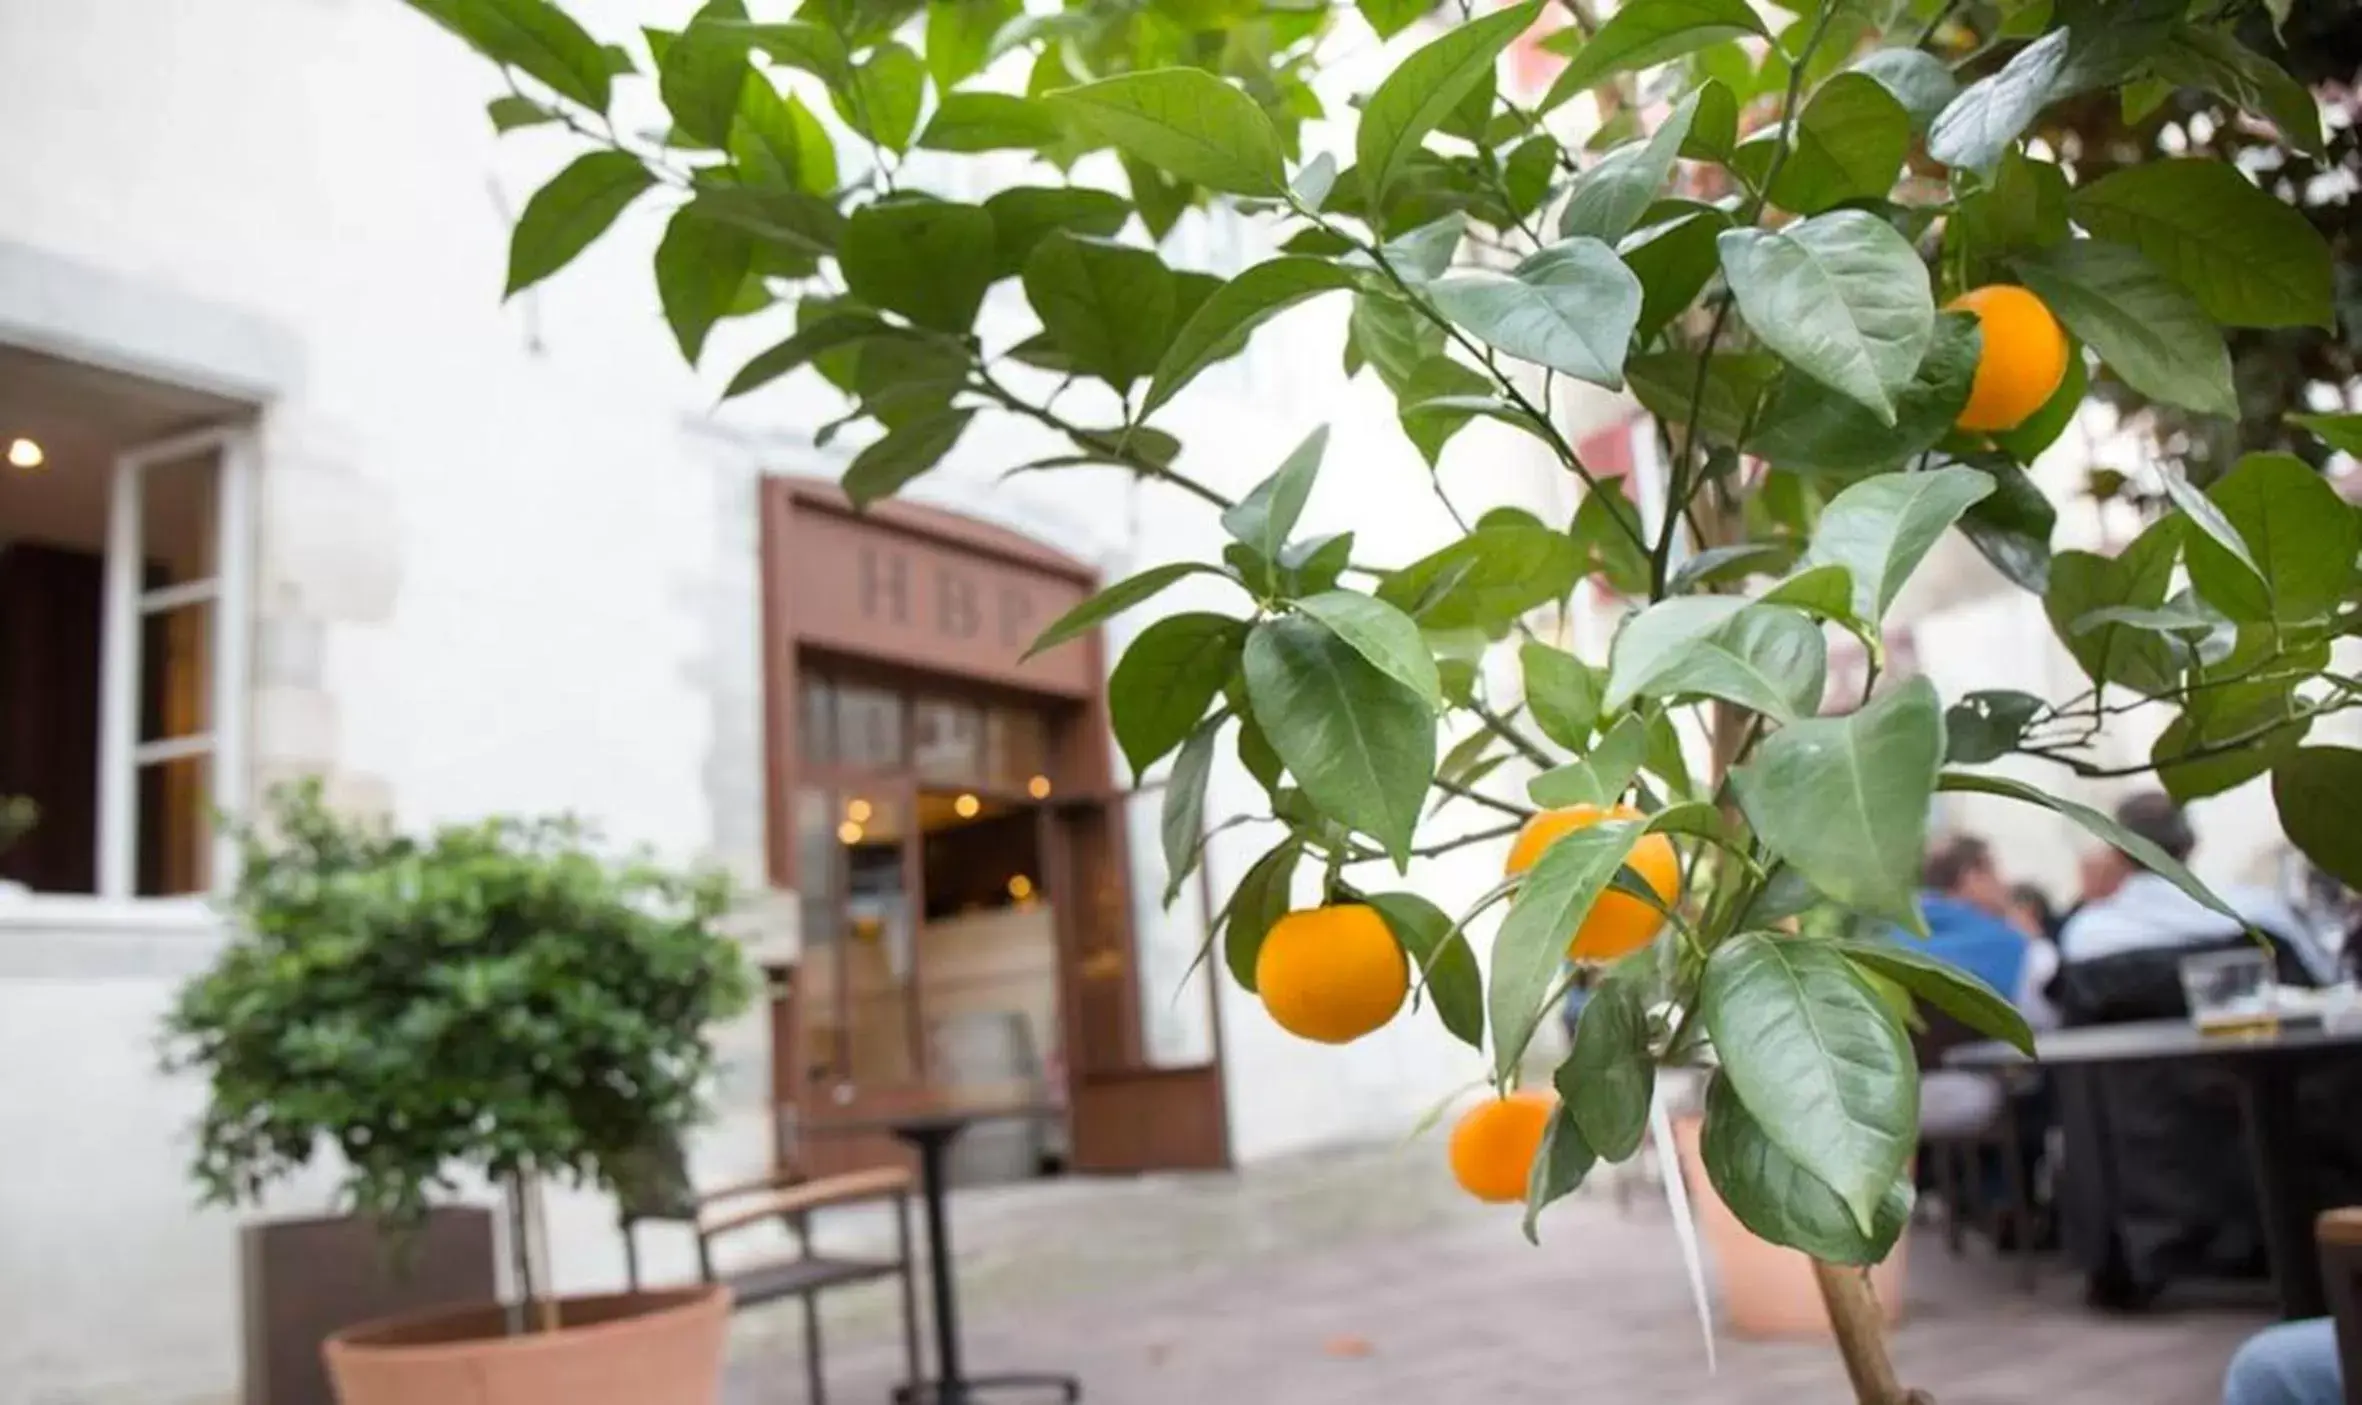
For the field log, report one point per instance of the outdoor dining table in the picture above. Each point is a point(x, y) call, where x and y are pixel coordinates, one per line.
point(929, 1126)
point(2264, 1065)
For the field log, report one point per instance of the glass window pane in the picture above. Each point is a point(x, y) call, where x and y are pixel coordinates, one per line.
point(947, 741)
point(869, 728)
point(815, 719)
point(176, 673)
point(1017, 750)
point(879, 918)
point(175, 836)
point(177, 514)
point(817, 890)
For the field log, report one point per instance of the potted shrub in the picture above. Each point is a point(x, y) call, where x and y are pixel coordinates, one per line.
point(1858, 285)
point(499, 999)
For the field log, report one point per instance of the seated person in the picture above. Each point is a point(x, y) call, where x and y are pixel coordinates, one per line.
point(1963, 899)
point(2142, 911)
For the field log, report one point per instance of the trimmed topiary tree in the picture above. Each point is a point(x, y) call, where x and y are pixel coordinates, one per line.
point(1760, 244)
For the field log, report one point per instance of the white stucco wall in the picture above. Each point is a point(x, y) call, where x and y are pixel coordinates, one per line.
point(508, 565)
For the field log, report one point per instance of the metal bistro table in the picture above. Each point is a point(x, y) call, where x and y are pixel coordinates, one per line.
point(2264, 1065)
point(930, 1126)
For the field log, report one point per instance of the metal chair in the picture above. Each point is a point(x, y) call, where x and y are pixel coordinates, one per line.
point(660, 1189)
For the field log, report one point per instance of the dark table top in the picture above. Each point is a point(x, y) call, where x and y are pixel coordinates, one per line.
point(2153, 1039)
point(936, 1112)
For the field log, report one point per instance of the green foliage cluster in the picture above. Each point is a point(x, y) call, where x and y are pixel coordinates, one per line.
point(496, 997)
point(1757, 242)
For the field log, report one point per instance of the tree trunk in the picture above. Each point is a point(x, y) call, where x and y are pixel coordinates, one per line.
point(1861, 1336)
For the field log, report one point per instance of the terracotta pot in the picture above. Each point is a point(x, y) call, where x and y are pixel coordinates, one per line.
point(1768, 1290)
point(653, 1348)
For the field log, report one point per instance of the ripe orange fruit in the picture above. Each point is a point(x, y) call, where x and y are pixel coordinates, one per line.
point(1618, 923)
point(2023, 360)
point(1494, 1143)
point(1332, 973)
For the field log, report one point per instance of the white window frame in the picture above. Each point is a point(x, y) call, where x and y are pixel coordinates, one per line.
point(230, 594)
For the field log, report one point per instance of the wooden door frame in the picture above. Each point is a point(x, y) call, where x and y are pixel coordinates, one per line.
point(1074, 694)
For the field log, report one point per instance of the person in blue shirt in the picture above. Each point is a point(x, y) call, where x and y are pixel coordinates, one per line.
point(1968, 904)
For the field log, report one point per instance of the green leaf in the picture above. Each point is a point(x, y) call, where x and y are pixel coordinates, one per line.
point(1715, 130)
point(1185, 121)
point(1673, 260)
point(1560, 1164)
point(1361, 744)
point(1392, 17)
point(700, 267)
point(1530, 949)
point(1986, 725)
point(1259, 900)
point(1161, 199)
point(1881, 528)
point(1781, 1202)
point(1383, 635)
point(1562, 692)
point(882, 100)
point(1841, 297)
point(2012, 528)
point(808, 343)
point(564, 216)
point(1809, 428)
point(1606, 201)
point(1165, 681)
point(2248, 259)
point(511, 112)
point(1608, 1080)
point(1486, 579)
point(1849, 143)
point(1735, 383)
point(2133, 846)
point(929, 260)
point(2341, 432)
point(2190, 771)
point(1644, 33)
point(2210, 59)
point(807, 47)
point(2314, 791)
point(1724, 565)
point(1947, 987)
point(701, 76)
point(2144, 327)
point(1826, 590)
point(1763, 657)
point(1917, 79)
point(795, 220)
point(1604, 773)
point(1221, 324)
point(980, 121)
point(907, 451)
point(1182, 823)
point(1108, 306)
point(1424, 88)
point(1438, 948)
point(1439, 400)
point(776, 141)
point(2082, 584)
point(959, 36)
point(534, 36)
point(1845, 799)
point(1819, 1061)
point(1113, 601)
point(1607, 531)
point(1571, 307)
point(2102, 46)
point(1263, 519)
point(2024, 206)
point(2302, 535)
point(1022, 216)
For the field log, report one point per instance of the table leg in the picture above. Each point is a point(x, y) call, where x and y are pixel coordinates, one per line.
point(951, 1385)
point(2267, 1089)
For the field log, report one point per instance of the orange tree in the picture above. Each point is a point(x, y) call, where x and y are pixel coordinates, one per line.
point(1763, 244)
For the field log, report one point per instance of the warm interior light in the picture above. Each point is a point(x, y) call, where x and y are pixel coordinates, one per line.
point(857, 810)
point(1038, 787)
point(1020, 887)
point(24, 453)
point(966, 807)
point(849, 832)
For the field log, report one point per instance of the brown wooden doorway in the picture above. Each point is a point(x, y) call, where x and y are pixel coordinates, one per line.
point(945, 809)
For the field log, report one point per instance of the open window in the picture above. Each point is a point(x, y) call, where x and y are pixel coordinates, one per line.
point(125, 531)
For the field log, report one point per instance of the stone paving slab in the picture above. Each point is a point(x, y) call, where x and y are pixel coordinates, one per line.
point(1358, 1278)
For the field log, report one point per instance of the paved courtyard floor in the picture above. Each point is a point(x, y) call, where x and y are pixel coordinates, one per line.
point(1362, 1277)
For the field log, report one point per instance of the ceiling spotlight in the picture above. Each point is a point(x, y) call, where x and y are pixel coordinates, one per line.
point(966, 807)
point(24, 453)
